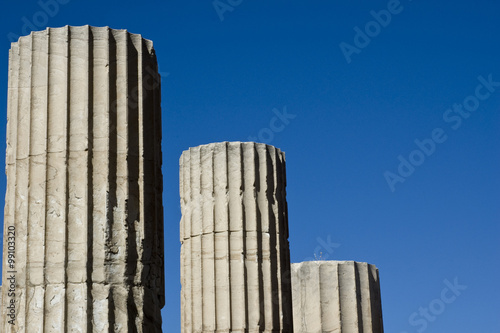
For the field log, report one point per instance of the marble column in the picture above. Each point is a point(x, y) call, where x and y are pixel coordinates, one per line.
point(336, 296)
point(84, 184)
point(235, 259)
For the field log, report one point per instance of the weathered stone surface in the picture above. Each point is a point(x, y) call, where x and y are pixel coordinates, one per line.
point(84, 184)
point(235, 259)
point(336, 296)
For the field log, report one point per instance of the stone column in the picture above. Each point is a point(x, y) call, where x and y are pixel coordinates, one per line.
point(336, 296)
point(84, 184)
point(235, 259)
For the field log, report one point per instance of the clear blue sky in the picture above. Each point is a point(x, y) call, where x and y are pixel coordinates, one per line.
point(356, 102)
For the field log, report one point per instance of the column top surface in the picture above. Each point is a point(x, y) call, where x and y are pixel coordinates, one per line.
point(232, 143)
point(97, 33)
point(330, 262)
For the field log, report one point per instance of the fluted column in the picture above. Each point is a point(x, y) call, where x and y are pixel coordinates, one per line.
point(235, 259)
point(84, 184)
point(336, 296)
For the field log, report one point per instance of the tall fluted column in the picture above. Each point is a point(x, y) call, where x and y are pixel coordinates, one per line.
point(235, 259)
point(336, 296)
point(83, 214)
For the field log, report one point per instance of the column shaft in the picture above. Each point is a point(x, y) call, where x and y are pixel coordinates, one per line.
point(84, 183)
point(336, 296)
point(235, 259)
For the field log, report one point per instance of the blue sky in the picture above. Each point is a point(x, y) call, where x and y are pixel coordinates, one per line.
point(391, 130)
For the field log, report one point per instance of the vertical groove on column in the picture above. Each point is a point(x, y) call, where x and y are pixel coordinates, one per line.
point(159, 235)
point(152, 251)
point(359, 295)
point(119, 137)
point(133, 203)
point(375, 299)
point(252, 226)
point(55, 236)
point(186, 197)
point(209, 191)
point(22, 177)
point(37, 163)
point(284, 279)
point(89, 49)
point(148, 182)
point(348, 297)
point(260, 270)
point(222, 254)
point(155, 277)
point(229, 233)
point(64, 287)
point(276, 241)
point(110, 247)
point(138, 292)
point(330, 298)
point(115, 303)
point(207, 238)
point(315, 290)
point(336, 296)
point(196, 272)
point(366, 310)
point(78, 147)
point(237, 243)
point(265, 199)
point(186, 279)
point(141, 107)
point(275, 305)
point(100, 290)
